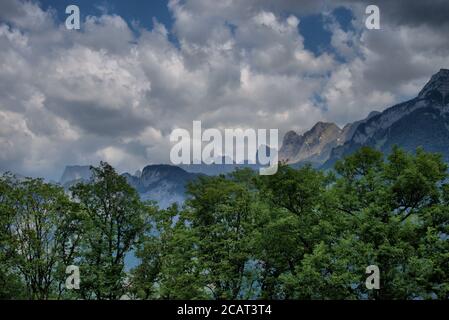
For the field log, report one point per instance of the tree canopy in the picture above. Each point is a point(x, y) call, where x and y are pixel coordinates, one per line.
point(300, 234)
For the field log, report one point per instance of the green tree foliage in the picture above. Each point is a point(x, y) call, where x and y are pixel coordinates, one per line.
point(300, 219)
point(40, 235)
point(222, 218)
point(393, 217)
point(300, 234)
point(168, 268)
point(10, 285)
point(205, 250)
point(114, 217)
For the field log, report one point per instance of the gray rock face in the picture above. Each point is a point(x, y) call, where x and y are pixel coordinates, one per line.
point(291, 146)
point(350, 128)
point(314, 145)
point(437, 88)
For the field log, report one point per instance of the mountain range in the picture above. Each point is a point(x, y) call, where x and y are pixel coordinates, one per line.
point(420, 122)
point(164, 184)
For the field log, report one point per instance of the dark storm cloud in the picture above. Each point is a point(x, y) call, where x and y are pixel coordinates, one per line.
point(99, 120)
point(434, 13)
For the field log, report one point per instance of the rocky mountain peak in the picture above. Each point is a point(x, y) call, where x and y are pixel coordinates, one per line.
point(317, 144)
point(438, 87)
point(321, 134)
point(290, 135)
point(162, 183)
point(419, 122)
point(161, 170)
point(311, 145)
point(321, 128)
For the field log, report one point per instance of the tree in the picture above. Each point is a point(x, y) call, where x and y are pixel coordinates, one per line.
point(221, 213)
point(300, 234)
point(113, 220)
point(394, 217)
point(169, 267)
point(11, 286)
point(40, 235)
point(297, 222)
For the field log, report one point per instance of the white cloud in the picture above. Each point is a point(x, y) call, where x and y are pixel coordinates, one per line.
point(69, 97)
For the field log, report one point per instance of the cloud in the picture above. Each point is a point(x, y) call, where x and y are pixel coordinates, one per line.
point(11, 9)
point(106, 93)
point(412, 13)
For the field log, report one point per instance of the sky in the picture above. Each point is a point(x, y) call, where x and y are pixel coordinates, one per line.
point(115, 89)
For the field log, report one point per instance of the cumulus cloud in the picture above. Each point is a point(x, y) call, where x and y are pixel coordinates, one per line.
point(384, 66)
point(106, 93)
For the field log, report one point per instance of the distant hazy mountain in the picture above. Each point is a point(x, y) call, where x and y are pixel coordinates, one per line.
point(16, 176)
point(211, 170)
point(74, 174)
point(422, 121)
point(164, 184)
point(219, 165)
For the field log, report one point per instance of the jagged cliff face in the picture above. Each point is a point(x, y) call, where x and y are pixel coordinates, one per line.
point(422, 121)
point(437, 89)
point(314, 145)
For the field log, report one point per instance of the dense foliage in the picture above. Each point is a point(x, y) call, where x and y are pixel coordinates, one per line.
point(299, 234)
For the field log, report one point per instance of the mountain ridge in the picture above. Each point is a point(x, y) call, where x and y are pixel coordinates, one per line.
point(411, 116)
point(162, 183)
point(421, 121)
point(380, 129)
